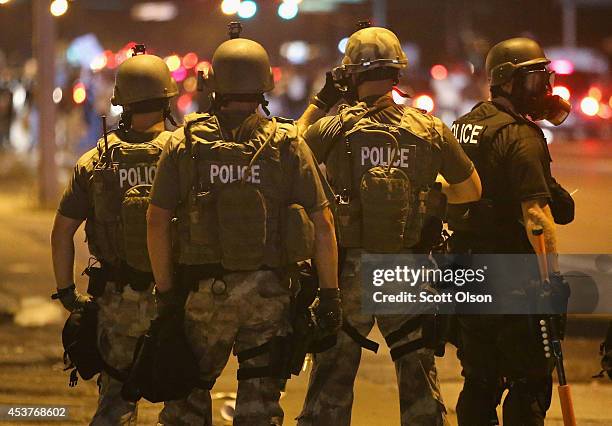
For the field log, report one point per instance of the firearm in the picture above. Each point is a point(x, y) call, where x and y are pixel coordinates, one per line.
point(551, 334)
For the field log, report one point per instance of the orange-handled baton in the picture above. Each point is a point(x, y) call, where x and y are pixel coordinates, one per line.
point(550, 326)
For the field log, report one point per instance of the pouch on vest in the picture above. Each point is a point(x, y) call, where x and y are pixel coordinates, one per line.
point(134, 222)
point(298, 234)
point(203, 219)
point(349, 222)
point(241, 214)
point(107, 203)
point(385, 204)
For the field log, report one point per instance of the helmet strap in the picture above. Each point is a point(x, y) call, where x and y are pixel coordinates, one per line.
point(168, 116)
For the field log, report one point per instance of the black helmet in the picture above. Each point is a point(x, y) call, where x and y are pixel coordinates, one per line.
point(506, 57)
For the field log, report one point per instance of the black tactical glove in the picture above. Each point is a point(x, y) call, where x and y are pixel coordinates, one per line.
point(70, 298)
point(327, 310)
point(329, 95)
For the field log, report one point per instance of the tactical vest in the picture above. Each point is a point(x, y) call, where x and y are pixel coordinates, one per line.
point(476, 132)
point(235, 212)
point(121, 184)
point(383, 176)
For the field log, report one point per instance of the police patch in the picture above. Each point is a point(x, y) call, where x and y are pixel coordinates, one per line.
point(468, 133)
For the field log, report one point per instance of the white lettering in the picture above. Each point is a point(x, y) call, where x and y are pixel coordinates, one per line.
point(226, 173)
point(380, 156)
point(475, 132)
point(122, 177)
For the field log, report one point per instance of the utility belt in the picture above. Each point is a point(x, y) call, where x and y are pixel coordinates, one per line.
point(189, 277)
point(122, 275)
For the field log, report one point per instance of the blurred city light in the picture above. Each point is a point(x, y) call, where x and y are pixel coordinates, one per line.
point(115, 110)
point(595, 92)
point(589, 106)
point(159, 11)
point(605, 112)
point(98, 63)
point(58, 7)
point(230, 7)
point(79, 93)
point(288, 9)
point(424, 102)
point(4, 1)
point(190, 84)
point(548, 135)
point(297, 52)
point(190, 60)
point(179, 74)
point(562, 92)
point(184, 102)
point(562, 66)
point(173, 62)
point(57, 95)
point(247, 9)
point(277, 74)
point(438, 72)
point(342, 45)
point(203, 66)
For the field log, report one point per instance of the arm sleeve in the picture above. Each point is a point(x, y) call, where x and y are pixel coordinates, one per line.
point(528, 162)
point(321, 135)
point(165, 192)
point(305, 178)
point(456, 165)
point(76, 202)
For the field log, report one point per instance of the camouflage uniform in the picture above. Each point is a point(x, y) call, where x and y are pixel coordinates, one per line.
point(254, 308)
point(124, 315)
point(330, 394)
point(252, 311)
point(330, 391)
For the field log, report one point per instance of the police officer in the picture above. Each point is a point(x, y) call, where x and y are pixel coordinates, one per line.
point(108, 190)
point(249, 202)
point(519, 195)
point(353, 146)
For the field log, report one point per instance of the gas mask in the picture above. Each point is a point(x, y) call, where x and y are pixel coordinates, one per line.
point(532, 95)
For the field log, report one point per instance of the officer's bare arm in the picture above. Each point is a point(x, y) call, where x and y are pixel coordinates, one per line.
point(463, 192)
point(326, 248)
point(159, 243)
point(536, 213)
point(312, 114)
point(62, 249)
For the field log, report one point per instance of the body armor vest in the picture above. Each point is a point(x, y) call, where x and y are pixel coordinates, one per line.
point(121, 184)
point(235, 209)
point(476, 132)
point(383, 176)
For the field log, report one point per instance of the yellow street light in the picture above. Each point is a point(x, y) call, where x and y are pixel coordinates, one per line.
point(58, 7)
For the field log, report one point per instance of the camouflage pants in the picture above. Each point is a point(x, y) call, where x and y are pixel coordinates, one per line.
point(330, 390)
point(122, 318)
point(252, 310)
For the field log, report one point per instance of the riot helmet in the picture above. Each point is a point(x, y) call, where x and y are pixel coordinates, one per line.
point(522, 61)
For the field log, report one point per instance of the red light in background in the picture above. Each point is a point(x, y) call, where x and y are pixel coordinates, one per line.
point(438, 72)
point(595, 92)
point(190, 60)
point(79, 93)
point(424, 102)
point(110, 59)
point(562, 66)
point(184, 102)
point(562, 91)
point(277, 73)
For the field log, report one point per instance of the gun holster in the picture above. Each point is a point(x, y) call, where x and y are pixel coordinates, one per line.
point(98, 277)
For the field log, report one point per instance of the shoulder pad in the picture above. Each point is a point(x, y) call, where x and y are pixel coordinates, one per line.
point(422, 124)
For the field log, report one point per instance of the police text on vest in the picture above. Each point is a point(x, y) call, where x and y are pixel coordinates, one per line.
point(226, 173)
point(380, 156)
point(140, 175)
point(466, 132)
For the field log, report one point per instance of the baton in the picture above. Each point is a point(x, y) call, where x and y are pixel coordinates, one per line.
point(551, 326)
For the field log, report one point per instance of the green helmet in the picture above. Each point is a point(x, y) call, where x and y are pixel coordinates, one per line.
point(240, 66)
point(373, 47)
point(141, 78)
point(506, 57)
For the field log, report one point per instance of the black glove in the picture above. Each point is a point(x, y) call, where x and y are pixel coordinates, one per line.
point(327, 310)
point(329, 95)
point(71, 299)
